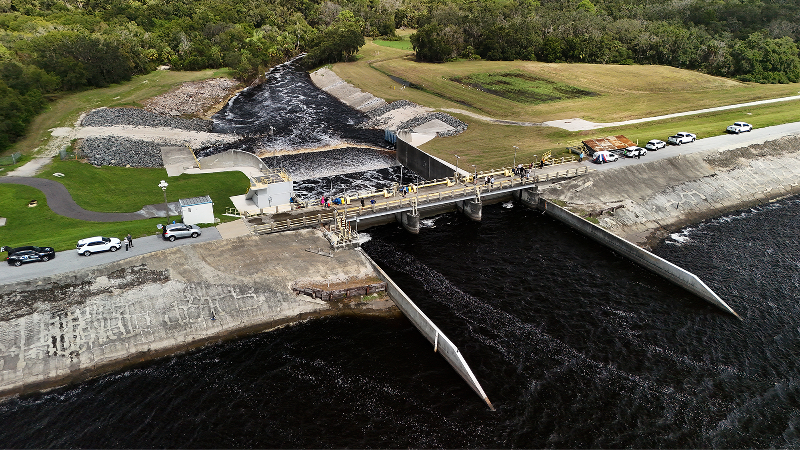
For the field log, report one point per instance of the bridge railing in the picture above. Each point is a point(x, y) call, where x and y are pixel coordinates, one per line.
point(464, 191)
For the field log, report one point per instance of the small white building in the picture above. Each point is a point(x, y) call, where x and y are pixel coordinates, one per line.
point(271, 192)
point(197, 210)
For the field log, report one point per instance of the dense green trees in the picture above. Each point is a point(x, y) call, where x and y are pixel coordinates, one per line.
point(747, 40)
point(47, 46)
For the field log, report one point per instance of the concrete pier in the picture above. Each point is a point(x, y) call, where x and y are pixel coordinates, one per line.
point(409, 220)
point(528, 197)
point(471, 208)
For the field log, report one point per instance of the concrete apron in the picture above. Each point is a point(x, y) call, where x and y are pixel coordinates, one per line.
point(73, 326)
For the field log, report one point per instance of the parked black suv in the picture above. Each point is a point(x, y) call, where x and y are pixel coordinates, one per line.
point(21, 255)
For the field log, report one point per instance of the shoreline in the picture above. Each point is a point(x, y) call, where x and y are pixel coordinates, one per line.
point(645, 203)
point(75, 326)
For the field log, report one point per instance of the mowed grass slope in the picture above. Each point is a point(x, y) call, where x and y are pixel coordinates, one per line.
point(622, 93)
point(65, 111)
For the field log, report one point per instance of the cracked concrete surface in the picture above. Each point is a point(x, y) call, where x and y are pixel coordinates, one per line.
point(79, 324)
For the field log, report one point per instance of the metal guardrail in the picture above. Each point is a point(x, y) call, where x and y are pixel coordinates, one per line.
point(411, 201)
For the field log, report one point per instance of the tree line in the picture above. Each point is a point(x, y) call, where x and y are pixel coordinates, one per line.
point(53, 46)
point(750, 40)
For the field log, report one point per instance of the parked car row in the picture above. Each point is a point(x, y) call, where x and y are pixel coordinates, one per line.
point(679, 138)
point(18, 256)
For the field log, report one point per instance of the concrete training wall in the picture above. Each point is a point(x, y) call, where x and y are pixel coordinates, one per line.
point(427, 166)
point(666, 269)
point(230, 158)
point(83, 323)
point(431, 332)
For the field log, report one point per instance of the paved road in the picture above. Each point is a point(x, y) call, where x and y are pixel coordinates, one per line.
point(60, 201)
point(724, 142)
point(70, 259)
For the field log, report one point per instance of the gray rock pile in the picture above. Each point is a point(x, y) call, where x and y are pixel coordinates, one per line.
point(120, 151)
point(194, 97)
point(377, 112)
point(458, 126)
point(108, 117)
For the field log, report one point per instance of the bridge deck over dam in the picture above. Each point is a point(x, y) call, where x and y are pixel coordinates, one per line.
point(466, 192)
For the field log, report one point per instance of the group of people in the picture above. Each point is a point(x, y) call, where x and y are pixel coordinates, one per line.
point(128, 242)
point(526, 171)
point(330, 201)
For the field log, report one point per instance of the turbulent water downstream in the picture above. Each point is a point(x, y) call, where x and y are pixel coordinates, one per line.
point(575, 347)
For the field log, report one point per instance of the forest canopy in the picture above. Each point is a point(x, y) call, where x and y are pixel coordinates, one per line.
point(53, 46)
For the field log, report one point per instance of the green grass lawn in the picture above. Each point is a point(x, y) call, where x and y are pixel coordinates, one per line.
point(41, 226)
point(404, 44)
point(122, 189)
point(105, 189)
point(521, 87)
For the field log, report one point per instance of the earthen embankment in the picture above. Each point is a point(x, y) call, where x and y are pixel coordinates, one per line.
point(653, 199)
point(79, 324)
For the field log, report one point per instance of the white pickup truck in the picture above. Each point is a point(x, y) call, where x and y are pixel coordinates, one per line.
point(682, 138)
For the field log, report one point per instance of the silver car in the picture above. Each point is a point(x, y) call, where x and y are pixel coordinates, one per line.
point(179, 230)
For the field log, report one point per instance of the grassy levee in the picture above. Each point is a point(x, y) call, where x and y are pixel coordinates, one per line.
point(621, 93)
point(64, 111)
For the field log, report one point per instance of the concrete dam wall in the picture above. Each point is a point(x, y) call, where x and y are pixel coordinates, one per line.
point(72, 326)
point(653, 199)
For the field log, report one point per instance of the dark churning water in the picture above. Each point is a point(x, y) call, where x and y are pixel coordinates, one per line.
point(575, 346)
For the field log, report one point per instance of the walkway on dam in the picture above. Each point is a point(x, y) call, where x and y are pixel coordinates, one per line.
point(373, 204)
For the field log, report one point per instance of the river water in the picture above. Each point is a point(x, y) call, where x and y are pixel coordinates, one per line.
point(575, 346)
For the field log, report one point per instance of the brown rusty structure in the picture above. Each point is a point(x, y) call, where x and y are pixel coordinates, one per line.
point(608, 144)
point(339, 294)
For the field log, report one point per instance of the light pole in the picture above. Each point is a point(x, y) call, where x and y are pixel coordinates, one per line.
point(457, 158)
point(475, 179)
point(163, 185)
point(516, 149)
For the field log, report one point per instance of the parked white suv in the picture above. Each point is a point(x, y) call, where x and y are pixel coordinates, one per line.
point(682, 138)
point(97, 244)
point(739, 127)
point(655, 144)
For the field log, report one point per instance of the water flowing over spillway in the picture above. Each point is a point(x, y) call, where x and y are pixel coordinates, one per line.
point(575, 346)
point(287, 112)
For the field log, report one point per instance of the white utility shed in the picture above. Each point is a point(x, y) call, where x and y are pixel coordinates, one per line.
point(197, 210)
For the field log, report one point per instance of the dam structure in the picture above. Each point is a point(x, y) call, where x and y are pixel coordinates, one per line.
point(527, 192)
